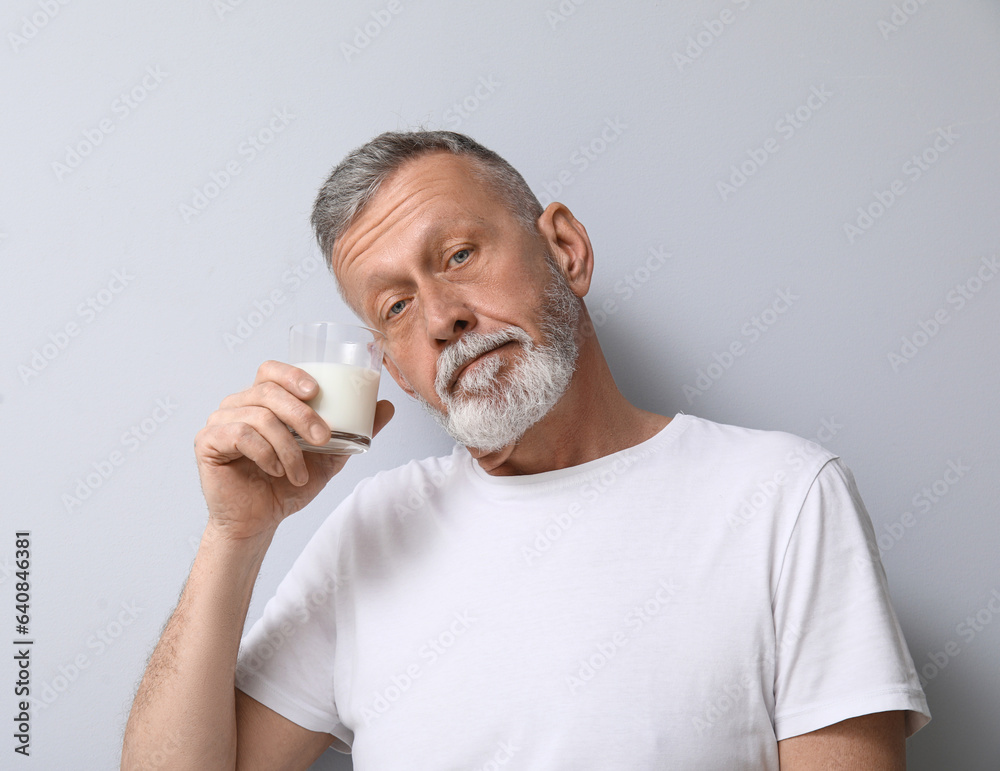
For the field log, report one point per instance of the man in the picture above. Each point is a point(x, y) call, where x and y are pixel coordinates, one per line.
point(580, 584)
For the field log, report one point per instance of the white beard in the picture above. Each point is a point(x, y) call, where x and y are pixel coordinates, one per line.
point(488, 412)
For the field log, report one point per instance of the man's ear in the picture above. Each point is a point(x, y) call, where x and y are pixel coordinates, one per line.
point(567, 241)
point(390, 365)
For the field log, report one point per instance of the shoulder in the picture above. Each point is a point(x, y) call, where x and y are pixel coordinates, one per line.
point(751, 448)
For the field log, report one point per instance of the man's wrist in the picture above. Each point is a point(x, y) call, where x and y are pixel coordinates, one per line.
point(220, 537)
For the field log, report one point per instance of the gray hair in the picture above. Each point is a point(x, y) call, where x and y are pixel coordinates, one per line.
point(357, 178)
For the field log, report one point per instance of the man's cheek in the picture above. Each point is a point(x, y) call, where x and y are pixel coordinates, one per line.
point(391, 363)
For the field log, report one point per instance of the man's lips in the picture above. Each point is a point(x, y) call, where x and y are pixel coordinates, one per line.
point(461, 370)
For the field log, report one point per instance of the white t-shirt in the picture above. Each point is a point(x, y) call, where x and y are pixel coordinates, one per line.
point(685, 603)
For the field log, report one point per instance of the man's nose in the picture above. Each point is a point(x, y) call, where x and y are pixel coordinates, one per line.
point(446, 314)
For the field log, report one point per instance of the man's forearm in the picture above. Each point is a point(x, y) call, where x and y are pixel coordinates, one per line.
point(184, 711)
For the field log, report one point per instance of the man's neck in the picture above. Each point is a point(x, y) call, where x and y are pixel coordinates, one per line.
point(591, 420)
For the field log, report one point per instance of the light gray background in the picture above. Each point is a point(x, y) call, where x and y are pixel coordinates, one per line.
point(551, 77)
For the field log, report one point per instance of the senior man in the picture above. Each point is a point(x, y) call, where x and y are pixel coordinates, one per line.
point(580, 584)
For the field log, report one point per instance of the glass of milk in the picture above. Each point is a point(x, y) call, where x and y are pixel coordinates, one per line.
point(346, 362)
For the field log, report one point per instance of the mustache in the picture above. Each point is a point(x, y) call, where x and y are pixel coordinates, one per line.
point(470, 346)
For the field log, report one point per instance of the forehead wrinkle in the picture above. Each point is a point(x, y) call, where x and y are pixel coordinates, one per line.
point(396, 196)
point(364, 238)
point(357, 247)
point(425, 233)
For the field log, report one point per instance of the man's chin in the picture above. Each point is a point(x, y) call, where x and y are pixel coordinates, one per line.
point(471, 437)
point(481, 447)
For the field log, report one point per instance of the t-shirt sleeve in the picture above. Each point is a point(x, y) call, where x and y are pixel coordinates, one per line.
point(840, 649)
point(286, 660)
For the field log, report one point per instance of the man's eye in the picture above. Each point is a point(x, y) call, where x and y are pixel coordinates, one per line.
point(397, 307)
point(461, 256)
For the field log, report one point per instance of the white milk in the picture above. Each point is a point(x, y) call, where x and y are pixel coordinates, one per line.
point(347, 395)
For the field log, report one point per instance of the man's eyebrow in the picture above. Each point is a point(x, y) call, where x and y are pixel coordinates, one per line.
point(435, 234)
point(463, 221)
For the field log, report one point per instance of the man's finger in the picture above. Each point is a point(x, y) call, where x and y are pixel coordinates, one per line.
point(384, 410)
point(295, 380)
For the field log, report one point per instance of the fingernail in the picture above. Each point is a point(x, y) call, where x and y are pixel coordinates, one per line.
point(305, 385)
point(319, 433)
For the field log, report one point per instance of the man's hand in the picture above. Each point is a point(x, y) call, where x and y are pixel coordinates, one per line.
point(253, 473)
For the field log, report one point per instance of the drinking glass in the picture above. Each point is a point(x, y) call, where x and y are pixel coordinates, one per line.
point(346, 362)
